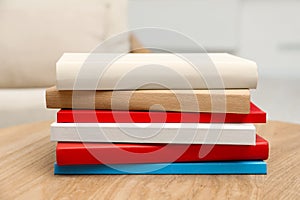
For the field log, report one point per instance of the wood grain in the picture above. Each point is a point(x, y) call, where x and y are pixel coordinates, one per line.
point(136, 46)
point(26, 172)
point(236, 101)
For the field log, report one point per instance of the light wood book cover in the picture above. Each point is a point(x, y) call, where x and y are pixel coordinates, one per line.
point(216, 101)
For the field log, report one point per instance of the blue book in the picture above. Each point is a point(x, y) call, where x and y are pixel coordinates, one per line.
point(227, 167)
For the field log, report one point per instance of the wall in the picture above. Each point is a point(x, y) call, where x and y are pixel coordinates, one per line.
point(266, 31)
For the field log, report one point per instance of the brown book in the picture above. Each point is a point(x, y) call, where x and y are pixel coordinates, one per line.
point(229, 101)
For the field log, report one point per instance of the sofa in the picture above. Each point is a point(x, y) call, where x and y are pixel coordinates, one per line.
point(35, 33)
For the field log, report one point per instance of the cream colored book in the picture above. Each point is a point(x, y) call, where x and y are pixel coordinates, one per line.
point(83, 71)
point(215, 101)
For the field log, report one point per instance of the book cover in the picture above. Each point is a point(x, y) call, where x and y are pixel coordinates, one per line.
point(224, 101)
point(153, 71)
point(256, 115)
point(178, 133)
point(227, 167)
point(69, 153)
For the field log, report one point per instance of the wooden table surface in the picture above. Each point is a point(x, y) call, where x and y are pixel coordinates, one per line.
point(26, 172)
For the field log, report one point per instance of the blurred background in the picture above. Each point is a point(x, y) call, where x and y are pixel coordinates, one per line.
point(266, 31)
point(35, 33)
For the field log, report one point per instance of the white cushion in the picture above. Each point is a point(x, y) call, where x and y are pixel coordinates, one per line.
point(23, 106)
point(35, 33)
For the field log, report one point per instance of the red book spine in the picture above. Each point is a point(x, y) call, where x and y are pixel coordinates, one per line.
point(256, 115)
point(105, 153)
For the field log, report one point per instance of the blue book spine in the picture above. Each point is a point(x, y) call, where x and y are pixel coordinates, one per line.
point(227, 167)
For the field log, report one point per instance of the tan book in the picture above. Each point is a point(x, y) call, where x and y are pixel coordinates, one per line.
point(216, 101)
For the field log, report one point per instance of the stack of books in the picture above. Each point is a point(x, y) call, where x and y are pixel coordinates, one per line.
point(136, 114)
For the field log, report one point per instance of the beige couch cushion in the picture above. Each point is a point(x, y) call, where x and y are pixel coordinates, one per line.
point(24, 105)
point(35, 33)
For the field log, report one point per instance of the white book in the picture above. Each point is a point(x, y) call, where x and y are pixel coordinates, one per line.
point(177, 133)
point(84, 71)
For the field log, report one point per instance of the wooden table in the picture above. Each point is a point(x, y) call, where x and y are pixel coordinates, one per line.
point(26, 172)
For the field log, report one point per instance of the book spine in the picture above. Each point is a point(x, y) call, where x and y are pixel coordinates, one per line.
point(84, 154)
point(228, 167)
point(226, 101)
point(176, 133)
point(232, 72)
point(106, 116)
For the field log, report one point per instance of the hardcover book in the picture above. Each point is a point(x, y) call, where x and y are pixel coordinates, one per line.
point(226, 167)
point(75, 153)
point(154, 71)
point(229, 101)
point(256, 115)
point(178, 133)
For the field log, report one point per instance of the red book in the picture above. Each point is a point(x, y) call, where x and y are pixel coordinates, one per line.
point(256, 115)
point(105, 153)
